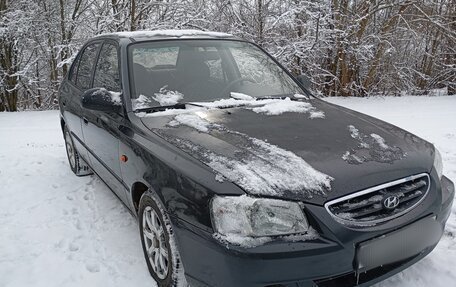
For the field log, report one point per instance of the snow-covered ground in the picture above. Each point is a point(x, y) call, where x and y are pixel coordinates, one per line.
point(57, 229)
point(60, 230)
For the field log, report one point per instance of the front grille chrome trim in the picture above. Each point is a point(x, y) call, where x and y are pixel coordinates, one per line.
point(374, 189)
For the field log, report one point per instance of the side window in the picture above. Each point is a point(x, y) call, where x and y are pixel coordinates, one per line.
point(74, 70)
point(107, 70)
point(86, 66)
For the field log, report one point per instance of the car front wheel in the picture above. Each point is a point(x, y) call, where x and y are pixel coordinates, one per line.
point(159, 246)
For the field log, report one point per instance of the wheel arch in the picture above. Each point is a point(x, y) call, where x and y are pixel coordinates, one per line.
point(137, 190)
point(62, 123)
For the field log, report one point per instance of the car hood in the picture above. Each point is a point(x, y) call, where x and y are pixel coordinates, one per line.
point(355, 151)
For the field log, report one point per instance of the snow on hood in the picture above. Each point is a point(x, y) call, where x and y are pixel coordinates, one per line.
point(371, 148)
point(300, 96)
point(279, 107)
point(170, 33)
point(192, 120)
point(272, 107)
point(258, 167)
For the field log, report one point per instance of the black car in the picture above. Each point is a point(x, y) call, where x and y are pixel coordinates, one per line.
point(238, 175)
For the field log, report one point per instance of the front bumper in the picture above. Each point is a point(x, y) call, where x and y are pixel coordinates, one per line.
point(328, 261)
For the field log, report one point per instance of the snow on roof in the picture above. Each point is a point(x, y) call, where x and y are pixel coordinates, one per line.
point(168, 33)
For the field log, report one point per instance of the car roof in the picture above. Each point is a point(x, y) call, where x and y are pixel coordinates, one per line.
point(137, 36)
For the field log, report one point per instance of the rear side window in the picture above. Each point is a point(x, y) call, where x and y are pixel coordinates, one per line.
point(74, 70)
point(88, 58)
point(107, 70)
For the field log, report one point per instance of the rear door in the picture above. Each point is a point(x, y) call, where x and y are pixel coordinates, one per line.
point(101, 129)
point(79, 80)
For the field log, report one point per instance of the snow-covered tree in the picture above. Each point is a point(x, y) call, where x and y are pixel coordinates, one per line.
point(346, 47)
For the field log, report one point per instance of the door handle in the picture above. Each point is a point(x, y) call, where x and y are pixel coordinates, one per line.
point(86, 121)
point(66, 89)
point(104, 120)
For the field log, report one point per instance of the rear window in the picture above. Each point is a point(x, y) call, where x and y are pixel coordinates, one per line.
point(156, 58)
point(74, 71)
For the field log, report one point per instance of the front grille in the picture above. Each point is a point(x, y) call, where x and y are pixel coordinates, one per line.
point(381, 203)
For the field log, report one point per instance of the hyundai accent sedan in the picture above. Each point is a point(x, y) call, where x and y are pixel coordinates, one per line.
point(238, 175)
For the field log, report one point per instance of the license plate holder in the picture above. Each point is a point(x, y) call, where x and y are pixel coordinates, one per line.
point(398, 245)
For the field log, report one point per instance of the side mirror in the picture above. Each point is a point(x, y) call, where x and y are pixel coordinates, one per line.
point(305, 81)
point(100, 99)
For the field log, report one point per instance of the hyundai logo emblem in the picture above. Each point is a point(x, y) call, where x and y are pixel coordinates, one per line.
point(391, 202)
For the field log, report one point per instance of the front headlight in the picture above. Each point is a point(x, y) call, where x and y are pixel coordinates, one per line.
point(257, 217)
point(438, 165)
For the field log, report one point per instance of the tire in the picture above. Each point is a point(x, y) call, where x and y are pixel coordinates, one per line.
point(159, 245)
point(77, 164)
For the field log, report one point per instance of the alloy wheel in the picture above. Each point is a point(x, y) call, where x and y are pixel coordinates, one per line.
point(155, 242)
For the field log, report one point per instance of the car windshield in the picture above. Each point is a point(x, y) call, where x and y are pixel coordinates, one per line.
point(167, 72)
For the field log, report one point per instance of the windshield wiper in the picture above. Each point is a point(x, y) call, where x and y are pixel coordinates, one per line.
point(272, 98)
point(181, 106)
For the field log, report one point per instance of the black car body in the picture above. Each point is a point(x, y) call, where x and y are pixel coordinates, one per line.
point(137, 155)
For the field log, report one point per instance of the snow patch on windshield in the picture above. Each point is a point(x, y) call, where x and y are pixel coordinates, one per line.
point(166, 97)
point(241, 96)
point(232, 102)
point(264, 106)
point(172, 112)
point(141, 102)
point(371, 148)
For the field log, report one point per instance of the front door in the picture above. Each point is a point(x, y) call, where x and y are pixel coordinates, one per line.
point(101, 129)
